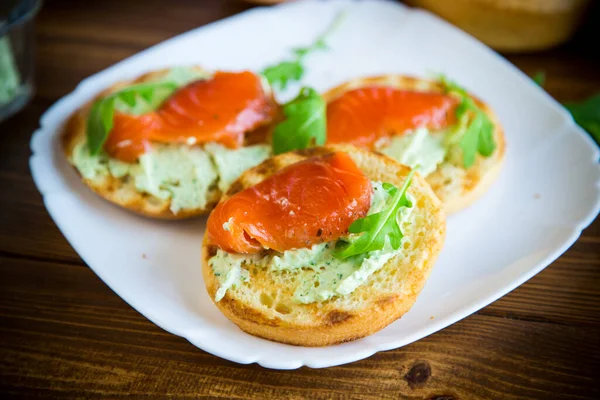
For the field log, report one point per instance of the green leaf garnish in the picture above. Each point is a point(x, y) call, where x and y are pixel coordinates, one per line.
point(305, 123)
point(377, 227)
point(99, 124)
point(539, 78)
point(477, 135)
point(279, 75)
point(587, 115)
point(135, 99)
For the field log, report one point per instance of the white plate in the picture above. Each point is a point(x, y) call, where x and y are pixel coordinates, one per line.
point(546, 194)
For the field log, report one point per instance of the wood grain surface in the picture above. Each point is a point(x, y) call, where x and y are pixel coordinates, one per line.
point(64, 334)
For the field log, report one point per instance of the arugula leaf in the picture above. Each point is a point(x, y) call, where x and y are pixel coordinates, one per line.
point(470, 142)
point(319, 44)
point(587, 115)
point(279, 75)
point(99, 123)
point(305, 124)
point(135, 99)
point(379, 226)
point(478, 134)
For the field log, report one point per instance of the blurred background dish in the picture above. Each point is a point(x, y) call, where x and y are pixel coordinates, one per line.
point(512, 25)
point(507, 25)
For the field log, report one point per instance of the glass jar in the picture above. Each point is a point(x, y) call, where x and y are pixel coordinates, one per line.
point(17, 51)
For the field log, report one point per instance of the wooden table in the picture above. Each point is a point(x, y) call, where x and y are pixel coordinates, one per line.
point(63, 333)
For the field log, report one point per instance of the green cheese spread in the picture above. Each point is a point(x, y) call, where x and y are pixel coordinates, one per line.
point(231, 163)
point(419, 149)
point(180, 173)
point(184, 174)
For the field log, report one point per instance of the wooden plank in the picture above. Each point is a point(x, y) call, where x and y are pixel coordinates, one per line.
point(26, 229)
point(566, 292)
point(134, 24)
point(64, 334)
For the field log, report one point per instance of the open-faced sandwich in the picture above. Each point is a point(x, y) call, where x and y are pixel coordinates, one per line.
point(321, 246)
point(449, 136)
point(169, 143)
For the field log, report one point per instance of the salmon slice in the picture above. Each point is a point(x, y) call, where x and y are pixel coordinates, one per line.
point(365, 115)
point(222, 109)
point(309, 202)
point(130, 136)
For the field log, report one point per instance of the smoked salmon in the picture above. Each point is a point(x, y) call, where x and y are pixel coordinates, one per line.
point(221, 109)
point(306, 203)
point(365, 115)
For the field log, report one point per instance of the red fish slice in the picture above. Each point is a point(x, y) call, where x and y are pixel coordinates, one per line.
point(309, 202)
point(221, 109)
point(365, 115)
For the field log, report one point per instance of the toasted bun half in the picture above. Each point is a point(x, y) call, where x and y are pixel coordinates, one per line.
point(263, 305)
point(123, 192)
point(455, 186)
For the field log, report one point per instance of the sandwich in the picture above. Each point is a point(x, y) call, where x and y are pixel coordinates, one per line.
point(321, 246)
point(451, 137)
point(169, 143)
